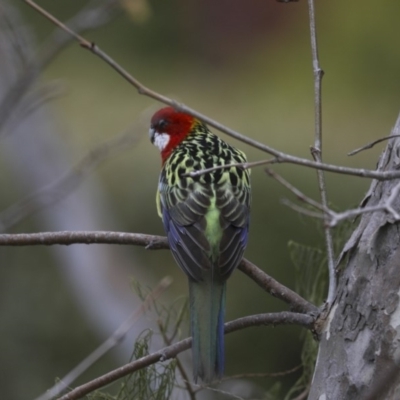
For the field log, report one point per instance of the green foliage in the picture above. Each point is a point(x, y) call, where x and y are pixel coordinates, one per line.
point(100, 396)
point(154, 382)
point(311, 282)
point(170, 316)
point(311, 271)
point(274, 392)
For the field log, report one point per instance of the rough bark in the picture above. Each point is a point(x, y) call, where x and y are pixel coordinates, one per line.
point(360, 342)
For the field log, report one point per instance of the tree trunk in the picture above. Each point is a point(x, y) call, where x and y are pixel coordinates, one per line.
point(360, 341)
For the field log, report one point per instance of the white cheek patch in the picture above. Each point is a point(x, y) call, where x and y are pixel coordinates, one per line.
point(161, 140)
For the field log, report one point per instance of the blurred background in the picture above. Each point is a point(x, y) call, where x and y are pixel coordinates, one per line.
point(247, 65)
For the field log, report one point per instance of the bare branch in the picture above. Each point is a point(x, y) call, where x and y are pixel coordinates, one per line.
point(111, 342)
point(276, 289)
point(245, 165)
point(281, 318)
point(151, 242)
point(263, 374)
point(317, 149)
point(300, 195)
point(142, 89)
point(303, 395)
point(332, 218)
point(54, 20)
point(371, 144)
point(219, 392)
point(302, 210)
point(387, 206)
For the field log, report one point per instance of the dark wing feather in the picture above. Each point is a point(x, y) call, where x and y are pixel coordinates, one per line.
point(234, 219)
point(189, 252)
point(184, 223)
point(184, 203)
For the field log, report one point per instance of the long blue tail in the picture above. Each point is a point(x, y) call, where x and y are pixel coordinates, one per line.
point(207, 310)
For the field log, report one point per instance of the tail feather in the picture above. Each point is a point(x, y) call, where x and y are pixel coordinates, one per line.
point(207, 309)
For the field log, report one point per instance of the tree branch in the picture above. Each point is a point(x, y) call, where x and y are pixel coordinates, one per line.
point(331, 217)
point(276, 289)
point(300, 195)
point(281, 157)
point(167, 353)
point(245, 165)
point(304, 211)
point(371, 144)
point(316, 151)
point(151, 242)
point(106, 346)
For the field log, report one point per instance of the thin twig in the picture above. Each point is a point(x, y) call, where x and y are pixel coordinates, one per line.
point(263, 374)
point(167, 353)
point(179, 320)
point(245, 165)
point(152, 242)
point(371, 144)
point(54, 20)
point(303, 395)
point(300, 195)
point(387, 206)
point(224, 393)
point(332, 218)
point(280, 156)
point(220, 392)
point(317, 149)
point(304, 211)
point(110, 343)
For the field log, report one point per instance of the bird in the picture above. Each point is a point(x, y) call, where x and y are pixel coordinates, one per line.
point(206, 220)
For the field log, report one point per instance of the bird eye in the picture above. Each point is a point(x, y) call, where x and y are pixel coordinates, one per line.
point(162, 124)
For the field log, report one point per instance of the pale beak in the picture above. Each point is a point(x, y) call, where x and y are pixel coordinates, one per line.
point(152, 133)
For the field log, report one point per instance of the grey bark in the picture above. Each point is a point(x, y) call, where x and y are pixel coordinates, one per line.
point(360, 344)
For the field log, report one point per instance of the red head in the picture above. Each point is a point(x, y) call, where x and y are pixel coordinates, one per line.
point(168, 128)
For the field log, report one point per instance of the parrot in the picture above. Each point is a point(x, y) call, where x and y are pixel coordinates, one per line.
point(206, 220)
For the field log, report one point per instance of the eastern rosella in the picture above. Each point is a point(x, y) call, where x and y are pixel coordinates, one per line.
point(206, 219)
